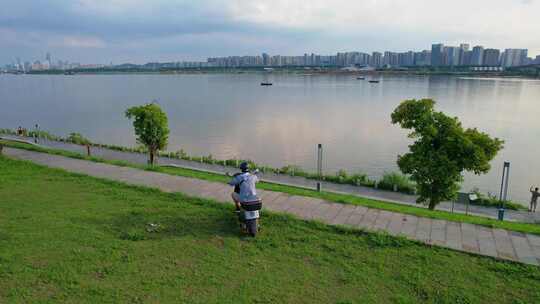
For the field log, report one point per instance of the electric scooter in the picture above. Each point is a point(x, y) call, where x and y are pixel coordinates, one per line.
point(248, 217)
point(249, 214)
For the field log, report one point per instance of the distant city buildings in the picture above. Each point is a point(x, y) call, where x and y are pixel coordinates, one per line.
point(514, 57)
point(48, 64)
point(478, 58)
point(439, 56)
point(492, 57)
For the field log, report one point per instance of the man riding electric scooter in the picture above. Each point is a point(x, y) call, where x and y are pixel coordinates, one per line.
point(245, 198)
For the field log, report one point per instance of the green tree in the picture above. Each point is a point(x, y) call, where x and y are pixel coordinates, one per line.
point(151, 127)
point(442, 150)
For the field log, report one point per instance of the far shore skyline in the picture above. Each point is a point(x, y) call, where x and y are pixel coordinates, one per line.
point(149, 59)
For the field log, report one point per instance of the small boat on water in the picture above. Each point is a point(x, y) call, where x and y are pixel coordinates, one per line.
point(360, 78)
point(373, 81)
point(266, 83)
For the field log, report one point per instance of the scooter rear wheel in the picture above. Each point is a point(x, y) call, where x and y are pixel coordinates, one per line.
point(251, 226)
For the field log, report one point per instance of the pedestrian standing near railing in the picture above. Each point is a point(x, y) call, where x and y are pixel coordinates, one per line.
point(534, 198)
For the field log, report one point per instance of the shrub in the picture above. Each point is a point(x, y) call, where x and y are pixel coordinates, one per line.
point(208, 159)
point(44, 134)
point(491, 200)
point(8, 132)
point(78, 139)
point(292, 170)
point(402, 182)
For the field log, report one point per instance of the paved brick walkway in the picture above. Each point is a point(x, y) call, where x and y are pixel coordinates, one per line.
point(376, 194)
point(471, 238)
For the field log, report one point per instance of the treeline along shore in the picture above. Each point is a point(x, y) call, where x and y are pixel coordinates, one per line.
point(532, 71)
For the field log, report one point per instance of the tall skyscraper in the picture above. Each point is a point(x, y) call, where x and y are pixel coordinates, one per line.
point(463, 49)
point(452, 55)
point(265, 59)
point(48, 59)
point(340, 59)
point(514, 57)
point(376, 59)
point(491, 57)
point(391, 58)
point(466, 58)
point(437, 52)
point(477, 55)
point(406, 59)
point(422, 58)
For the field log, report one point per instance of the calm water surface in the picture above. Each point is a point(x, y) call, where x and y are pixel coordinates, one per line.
point(231, 115)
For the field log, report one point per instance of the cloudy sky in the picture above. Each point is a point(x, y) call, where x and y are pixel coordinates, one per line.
point(118, 31)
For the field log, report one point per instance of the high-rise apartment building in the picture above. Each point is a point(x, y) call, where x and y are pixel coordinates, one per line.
point(514, 57)
point(406, 59)
point(265, 59)
point(376, 59)
point(491, 57)
point(437, 53)
point(452, 55)
point(422, 58)
point(466, 58)
point(391, 58)
point(477, 56)
point(463, 49)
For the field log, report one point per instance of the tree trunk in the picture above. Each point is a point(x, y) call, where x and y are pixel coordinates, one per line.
point(152, 156)
point(432, 204)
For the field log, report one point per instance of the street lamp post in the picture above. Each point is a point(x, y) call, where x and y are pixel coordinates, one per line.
point(504, 189)
point(36, 134)
point(319, 166)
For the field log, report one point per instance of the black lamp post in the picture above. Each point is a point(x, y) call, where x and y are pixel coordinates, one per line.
point(319, 166)
point(504, 189)
point(36, 134)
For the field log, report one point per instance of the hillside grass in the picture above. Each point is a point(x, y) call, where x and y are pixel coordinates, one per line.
point(71, 238)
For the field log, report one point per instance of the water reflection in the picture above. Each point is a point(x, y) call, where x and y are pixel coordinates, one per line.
point(233, 116)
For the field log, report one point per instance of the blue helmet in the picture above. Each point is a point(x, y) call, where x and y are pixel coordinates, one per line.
point(244, 167)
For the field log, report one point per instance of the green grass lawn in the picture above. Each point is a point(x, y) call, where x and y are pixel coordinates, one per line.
point(71, 238)
point(330, 196)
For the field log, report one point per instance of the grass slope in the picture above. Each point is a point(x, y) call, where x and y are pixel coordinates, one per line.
point(330, 196)
point(71, 238)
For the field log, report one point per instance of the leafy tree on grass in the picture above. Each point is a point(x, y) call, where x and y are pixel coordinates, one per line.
point(151, 127)
point(442, 150)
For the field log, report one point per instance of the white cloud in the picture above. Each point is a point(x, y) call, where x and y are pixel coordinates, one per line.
point(242, 27)
point(83, 42)
point(501, 23)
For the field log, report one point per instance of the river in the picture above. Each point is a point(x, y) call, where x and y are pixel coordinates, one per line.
point(232, 116)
